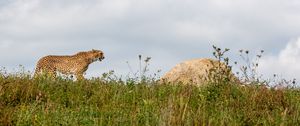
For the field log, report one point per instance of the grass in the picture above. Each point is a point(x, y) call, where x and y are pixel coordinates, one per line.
point(42, 101)
point(141, 100)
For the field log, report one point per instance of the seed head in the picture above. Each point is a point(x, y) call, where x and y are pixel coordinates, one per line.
point(226, 59)
point(294, 81)
point(214, 47)
point(147, 59)
point(247, 51)
point(259, 56)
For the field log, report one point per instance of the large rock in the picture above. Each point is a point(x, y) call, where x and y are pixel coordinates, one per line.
point(197, 72)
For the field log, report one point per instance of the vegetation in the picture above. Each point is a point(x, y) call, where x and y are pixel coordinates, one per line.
point(108, 100)
point(43, 101)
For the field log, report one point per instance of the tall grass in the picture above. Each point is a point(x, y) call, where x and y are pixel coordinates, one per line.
point(43, 101)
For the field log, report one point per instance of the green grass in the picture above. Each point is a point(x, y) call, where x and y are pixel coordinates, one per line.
point(42, 101)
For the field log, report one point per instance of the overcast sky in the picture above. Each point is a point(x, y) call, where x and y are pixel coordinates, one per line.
point(170, 31)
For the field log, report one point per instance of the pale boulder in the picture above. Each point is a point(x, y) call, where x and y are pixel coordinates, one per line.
point(196, 72)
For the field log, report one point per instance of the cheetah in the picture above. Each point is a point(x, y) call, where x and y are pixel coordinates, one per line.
point(69, 64)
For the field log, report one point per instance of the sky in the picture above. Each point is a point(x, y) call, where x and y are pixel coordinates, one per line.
point(168, 31)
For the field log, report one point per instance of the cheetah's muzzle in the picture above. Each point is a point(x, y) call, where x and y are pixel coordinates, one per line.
point(101, 58)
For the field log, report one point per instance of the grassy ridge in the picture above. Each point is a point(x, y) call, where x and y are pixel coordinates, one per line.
point(42, 101)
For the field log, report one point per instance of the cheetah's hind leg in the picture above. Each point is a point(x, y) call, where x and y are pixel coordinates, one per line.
point(45, 73)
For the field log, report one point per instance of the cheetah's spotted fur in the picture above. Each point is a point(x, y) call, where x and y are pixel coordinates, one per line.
point(74, 64)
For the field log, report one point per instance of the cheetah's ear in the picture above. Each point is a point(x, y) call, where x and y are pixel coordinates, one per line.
point(93, 50)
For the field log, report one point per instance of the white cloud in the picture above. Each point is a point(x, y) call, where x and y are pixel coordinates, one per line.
point(285, 64)
point(167, 30)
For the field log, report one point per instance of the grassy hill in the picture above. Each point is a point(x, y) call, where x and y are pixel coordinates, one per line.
point(100, 101)
point(108, 100)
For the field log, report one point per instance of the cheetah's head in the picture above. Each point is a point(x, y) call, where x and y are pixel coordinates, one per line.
point(96, 55)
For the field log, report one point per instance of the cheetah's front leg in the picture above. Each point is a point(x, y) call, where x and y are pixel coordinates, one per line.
point(79, 76)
